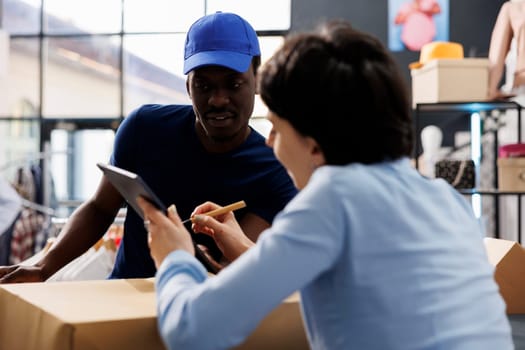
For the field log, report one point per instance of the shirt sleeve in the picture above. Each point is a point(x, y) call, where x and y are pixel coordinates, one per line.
point(124, 146)
point(304, 241)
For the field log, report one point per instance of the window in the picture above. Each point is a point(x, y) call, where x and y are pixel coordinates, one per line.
point(81, 66)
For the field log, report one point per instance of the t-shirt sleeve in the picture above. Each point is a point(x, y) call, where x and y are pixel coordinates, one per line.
point(125, 141)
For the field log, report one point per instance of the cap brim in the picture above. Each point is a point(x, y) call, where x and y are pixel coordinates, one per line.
point(237, 61)
point(415, 65)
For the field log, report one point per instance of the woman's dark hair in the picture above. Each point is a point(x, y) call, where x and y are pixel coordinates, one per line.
point(341, 87)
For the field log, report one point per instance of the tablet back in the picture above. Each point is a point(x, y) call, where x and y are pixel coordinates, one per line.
point(130, 186)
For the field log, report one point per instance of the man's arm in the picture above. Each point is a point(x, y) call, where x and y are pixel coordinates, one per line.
point(252, 225)
point(83, 229)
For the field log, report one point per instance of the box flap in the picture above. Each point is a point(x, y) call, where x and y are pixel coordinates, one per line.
point(497, 249)
point(509, 259)
point(91, 301)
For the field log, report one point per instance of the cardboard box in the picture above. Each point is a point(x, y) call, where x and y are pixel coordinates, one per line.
point(282, 329)
point(509, 259)
point(112, 314)
point(451, 80)
point(116, 314)
point(511, 174)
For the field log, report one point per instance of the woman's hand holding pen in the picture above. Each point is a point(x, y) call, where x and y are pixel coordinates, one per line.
point(165, 233)
point(224, 229)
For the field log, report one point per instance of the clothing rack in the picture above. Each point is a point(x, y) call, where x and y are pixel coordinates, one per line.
point(25, 160)
point(37, 207)
point(45, 157)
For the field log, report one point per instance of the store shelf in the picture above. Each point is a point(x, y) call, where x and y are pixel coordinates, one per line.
point(491, 192)
point(468, 108)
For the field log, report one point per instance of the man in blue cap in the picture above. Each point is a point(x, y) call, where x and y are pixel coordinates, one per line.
point(186, 154)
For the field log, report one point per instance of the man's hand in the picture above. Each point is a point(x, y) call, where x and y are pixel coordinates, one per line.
point(215, 265)
point(19, 273)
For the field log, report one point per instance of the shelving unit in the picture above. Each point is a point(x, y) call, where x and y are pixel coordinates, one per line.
point(471, 110)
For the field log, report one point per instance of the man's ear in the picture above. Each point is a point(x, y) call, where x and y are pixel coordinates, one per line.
point(188, 86)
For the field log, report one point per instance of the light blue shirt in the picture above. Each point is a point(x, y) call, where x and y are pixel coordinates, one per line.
point(383, 259)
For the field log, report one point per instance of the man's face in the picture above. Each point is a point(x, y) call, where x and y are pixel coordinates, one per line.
point(223, 101)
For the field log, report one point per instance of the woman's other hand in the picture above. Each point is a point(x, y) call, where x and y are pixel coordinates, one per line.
point(224, 229)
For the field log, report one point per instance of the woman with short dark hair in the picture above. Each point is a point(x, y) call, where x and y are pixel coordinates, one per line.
point(383, 257)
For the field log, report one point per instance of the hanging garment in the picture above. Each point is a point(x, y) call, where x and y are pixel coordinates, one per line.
point(10, 206)
point(26, 228)
point(36, 172)
point(25, 184)
point(5, 244)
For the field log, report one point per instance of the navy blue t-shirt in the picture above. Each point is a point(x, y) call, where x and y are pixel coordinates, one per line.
point(159, 142)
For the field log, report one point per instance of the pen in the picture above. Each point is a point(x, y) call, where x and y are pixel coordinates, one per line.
point(223, 210)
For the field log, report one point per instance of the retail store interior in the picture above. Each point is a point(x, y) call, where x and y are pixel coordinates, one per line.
point(71, 72)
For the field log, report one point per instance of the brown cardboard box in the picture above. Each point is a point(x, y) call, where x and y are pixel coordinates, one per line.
point(116, 314)
point(112, 314)
point(509, 259)
point(450, 80)
point(511, 174)
point(281, 329)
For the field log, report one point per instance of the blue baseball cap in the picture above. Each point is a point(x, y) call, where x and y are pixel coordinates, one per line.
point(220, 39)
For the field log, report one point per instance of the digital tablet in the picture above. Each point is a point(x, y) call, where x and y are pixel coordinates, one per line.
point(130, 186)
